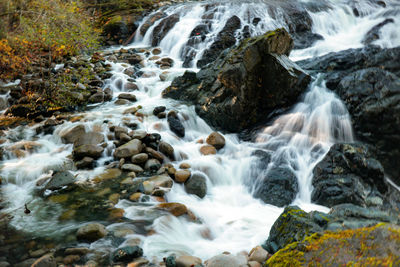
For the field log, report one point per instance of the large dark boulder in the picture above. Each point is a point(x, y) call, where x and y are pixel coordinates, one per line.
point(278, 186)
point(349, 173)
point(368, 82)
point(246, 85)
point(225, 39)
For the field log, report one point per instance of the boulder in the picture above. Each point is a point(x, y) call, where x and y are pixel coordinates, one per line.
point(132, 168)
point(91, 232)
point(245, 86)
point(216, 140)
point(161, 181)
point(129, 149)
point(150, 21)
point(374, 34)
point(349, 173)
point(127, 96)
point(139, 158)
point(175, 209)
point(89, 138)
point(258, 254)
point(277, 186)
point(152, 165)
point(208, 150)
point(196, 185)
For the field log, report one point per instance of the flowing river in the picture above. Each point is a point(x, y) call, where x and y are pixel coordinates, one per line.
point(231, 219)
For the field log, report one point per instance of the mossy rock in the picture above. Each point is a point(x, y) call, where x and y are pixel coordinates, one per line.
point(378, 245)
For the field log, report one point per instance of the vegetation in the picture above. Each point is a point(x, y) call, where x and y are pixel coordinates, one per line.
point(36, 30)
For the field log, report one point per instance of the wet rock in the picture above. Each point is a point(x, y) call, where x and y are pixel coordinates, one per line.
point(175, 209)
point(156, 51)
point(127, 254)
point(150, 21)
point(89, 138)
point(85, 163)
point(161, 115)
point(107, 175)
point(71, 135)
point(225, 39)
point(349, 173)
point(293, 225)
point(45, 261)
point(188, 261)
point(162, 29)
point(208, 150)
point(139, 134)
point(91, 232)
point(166, 149)
point(132, 168)
point(60, 179)
point(216, 140)
point(152, 165)
point(162, 181)
point(127, 96)
point(129, 86)
point(278, 186)
point(223, 260)
point(129, 149)
point(233, 88)
point(196, 185)
point(70, 259)
point(139, 158)
point(121, 102)
point(92, 151)
point(155, 154)
point(97, 98)
point(374, 34)
point(182, 175)
point(184, 165)
point(158, 110)
point(176, 126)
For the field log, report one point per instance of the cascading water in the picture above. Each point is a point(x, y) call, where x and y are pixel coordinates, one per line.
point(229, 217)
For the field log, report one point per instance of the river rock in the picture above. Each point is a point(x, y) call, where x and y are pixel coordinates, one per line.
point(208, 150)
point(374, 34)
point(175, 209)
point(349, 173)
point(278, 186)
point(152, 165)
point(69, 136)
point(162, 181)
point(175, 125)
point(158, 110)
point(258, 254)
point(196, 185)
point(216, 140)
point(92, 151)
point(188, 261)
point(230, 93)
point(91, 232)
point(181, 176)
point(126, 254)
point(150, 21)
point(166, 149)
point(127, 96)
point(60, 179)
point(224, 260)
point(139, 158)
point(129, 149)
point(89, 138)
point(132, 168)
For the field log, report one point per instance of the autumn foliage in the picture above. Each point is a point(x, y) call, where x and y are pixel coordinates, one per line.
point(38, 30)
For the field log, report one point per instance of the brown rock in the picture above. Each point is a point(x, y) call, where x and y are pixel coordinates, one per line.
point(258, 254)
point(45, 261)
point(216, 140)
point(175, 209)
point(181, 176)
point(208, 150)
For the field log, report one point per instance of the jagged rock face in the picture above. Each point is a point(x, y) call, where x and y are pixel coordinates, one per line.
point(162, 29)
point(367, 80)
point(245, 85)
point(349, 173)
